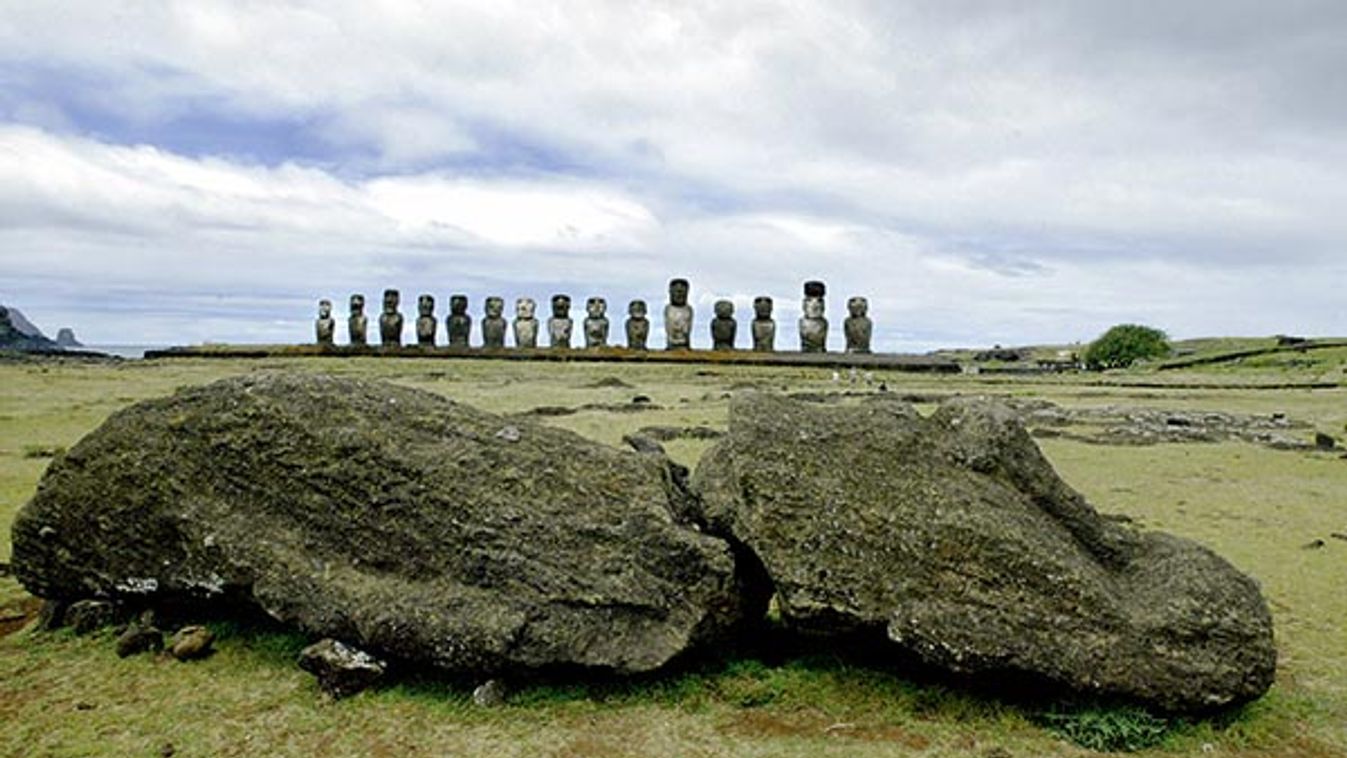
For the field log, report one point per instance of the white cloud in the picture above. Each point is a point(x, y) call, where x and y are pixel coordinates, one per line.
point(984, 174)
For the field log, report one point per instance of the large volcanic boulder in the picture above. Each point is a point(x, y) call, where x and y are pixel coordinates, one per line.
point(387, 517)
point(954, 536)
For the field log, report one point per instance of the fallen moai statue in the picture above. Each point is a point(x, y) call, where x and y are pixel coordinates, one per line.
point(417, 529)
point(386, 517)
point(954, 536)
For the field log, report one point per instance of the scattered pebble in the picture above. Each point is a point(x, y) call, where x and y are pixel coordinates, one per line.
point(86, 616)
point(139, 639)
point(342, 670)
point(191, 642)
point(489, 694)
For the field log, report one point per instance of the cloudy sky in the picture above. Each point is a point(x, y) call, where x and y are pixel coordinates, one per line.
point(986, 172)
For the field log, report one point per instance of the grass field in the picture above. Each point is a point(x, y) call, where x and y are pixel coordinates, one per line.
point(67, 695)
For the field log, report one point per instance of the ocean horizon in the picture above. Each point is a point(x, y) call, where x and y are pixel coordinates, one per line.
point(130, 351)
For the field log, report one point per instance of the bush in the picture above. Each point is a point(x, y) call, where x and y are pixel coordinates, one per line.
point(1118, 729)
point(1125, 344)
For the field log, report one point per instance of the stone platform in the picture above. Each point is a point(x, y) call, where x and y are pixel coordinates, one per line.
point(886, 361)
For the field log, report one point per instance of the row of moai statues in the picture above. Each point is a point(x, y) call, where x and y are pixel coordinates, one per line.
point(678, 322)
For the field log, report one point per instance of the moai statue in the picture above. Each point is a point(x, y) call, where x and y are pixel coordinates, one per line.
point(813, 326)
point(458, 323)
point(596, 322)
point(723, 326)
point(678, 316)
point(390, 322)
point(638, 326)
point(559, 326)
point(357, 325)
point(764, 328)
point(425, 322)
point(493, 324)
point(525, 324)
point(325, 326)
point(858, 326)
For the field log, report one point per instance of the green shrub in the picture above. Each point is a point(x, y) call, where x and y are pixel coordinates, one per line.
point(1118, 729)
point(1124, 344)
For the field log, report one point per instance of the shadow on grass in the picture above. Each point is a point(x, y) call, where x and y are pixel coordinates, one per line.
point(859, 677)
point(791, 679)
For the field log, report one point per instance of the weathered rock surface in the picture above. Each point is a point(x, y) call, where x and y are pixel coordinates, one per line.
point(386, 517)
point(954, 536)
point(341, 670)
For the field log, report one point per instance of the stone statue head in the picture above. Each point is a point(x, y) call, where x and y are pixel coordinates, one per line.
point(391, 298)
point(324, 309)
point(524, 308)
point(858, 306)
point(678, 292)
point(596, 307)
point(495, 306)
point(813, 307)
point(561, 306)
point(425, 304)
point(636, 309)
point(762, 307)
point(724, 309)
point(357, 304)
point(814, 288)
point(458, 305)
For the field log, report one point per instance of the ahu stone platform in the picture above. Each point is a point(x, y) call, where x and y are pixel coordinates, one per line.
point(886, 361)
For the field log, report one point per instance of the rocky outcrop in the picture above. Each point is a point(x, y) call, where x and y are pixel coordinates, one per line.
point(393, 519)
point(66, 338)
point(17, 333)
point(953, 536)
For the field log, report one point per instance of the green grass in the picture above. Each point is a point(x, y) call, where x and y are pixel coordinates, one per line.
point(67, 695)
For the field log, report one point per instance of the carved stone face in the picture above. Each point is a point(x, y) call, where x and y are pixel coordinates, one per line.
point(762, 307)
point(724, 309)
point(425, 304)
point(561, 306)
point(813, 307)
point(391, 298)
point(858, 306)
point(636, 309)
point(357, 304)
point(495, 306)
point(458, 305)
point(596, 307)
point(524, 308)
point(324, 309)
point(678, 292)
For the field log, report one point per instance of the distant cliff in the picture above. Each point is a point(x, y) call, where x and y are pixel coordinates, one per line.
point(18, 333)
